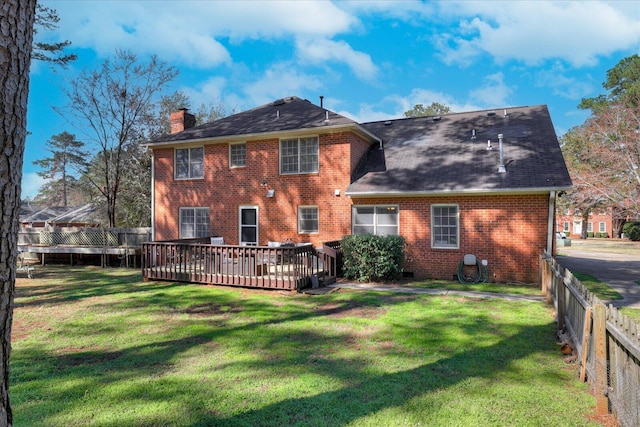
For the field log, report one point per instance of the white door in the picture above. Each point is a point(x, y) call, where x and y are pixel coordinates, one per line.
point(577, 227)
point(248, 225)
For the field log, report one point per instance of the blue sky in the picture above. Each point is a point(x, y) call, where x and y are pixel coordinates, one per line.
point(371, 60)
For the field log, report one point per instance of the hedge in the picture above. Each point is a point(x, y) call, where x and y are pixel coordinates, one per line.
point(631, 230)
point(368, 257)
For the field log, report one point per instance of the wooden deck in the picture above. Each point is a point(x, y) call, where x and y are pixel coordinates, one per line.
point(290, 268)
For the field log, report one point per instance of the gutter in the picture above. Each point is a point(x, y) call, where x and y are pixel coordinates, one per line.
point(468, 192)
point(279, 134)
point(551, 220)
point(153, 197)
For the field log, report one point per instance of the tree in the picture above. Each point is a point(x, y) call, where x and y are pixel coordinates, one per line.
point(16, 41)
point(435, 109)
point(47, 19)
point(577, 149)
point(67, 154)
point(113, 104)
point(623, 82)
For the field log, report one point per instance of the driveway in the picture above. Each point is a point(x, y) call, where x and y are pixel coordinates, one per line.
point(620, 271)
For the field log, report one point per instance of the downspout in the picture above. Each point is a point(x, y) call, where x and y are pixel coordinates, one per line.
point(153, 197)
point(550, 231)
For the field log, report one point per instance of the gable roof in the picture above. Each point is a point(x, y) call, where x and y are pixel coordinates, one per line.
point(437, 155)
point(290, 114)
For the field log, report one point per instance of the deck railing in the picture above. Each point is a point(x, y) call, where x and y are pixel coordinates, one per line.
point(196, 261)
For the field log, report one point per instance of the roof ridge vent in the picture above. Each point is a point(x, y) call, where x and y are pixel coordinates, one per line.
point(436, 118)
point(387, 123)
point(277, 102)
point(491, 113)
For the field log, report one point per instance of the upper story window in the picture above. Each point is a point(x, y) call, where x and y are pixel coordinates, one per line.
point(378, 220)
point(189, 163)
point(299, 155)
point(238, 155)
point(445, 230)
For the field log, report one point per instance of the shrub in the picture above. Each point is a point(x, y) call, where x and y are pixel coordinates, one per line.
point(372, 258)
point(589, 234)
point(603, 235)
point(631, 230)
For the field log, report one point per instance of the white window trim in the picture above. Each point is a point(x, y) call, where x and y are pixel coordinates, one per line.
point(440, 246)
point(240, 209)
point(602, 227)
point(194, 208)
point(300, 231)
point(232, 166)
point(298, 172)
point(175, 163)
point(375, 223)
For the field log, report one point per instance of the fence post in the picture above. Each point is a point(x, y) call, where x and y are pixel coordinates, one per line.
point(600, 343)
point(560, 298)
point(586, 332)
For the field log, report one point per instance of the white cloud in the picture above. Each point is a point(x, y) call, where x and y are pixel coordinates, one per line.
point(563, 85)
point(192, 32)
point(493, 92)
point(535, 31)
point(318, 51)
point(278, 81)
point(31, 183)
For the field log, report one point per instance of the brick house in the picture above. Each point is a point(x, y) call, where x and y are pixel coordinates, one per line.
point(479, 182)
point(599, 224)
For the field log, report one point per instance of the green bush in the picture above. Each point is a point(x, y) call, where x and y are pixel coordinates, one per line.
point(372, 258)
point(631, 230)
point(589, 234)
point(603, 235)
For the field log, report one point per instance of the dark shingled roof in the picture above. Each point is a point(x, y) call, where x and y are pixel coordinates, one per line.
point(286, 114)
point(428, 155)
point(422, 155)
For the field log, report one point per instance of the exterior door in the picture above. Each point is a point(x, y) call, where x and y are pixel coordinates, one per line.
point(248, 225)
point(577, 227)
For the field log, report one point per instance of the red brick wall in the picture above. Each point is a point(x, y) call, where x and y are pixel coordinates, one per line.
point(223, 190)
point(594, 217)
point(508, 231)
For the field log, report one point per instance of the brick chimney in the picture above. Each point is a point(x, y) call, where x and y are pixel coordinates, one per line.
point(181, 120)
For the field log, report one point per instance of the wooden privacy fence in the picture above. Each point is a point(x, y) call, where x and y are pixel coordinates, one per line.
point(607, 342)
point(196, 261)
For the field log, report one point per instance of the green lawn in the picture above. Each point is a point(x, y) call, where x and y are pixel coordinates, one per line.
point(99, 347)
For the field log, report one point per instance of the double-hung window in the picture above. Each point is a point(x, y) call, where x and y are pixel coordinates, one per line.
point(602, 227)
point(299, 155)
point(238, 155)
point(194, 222)
point(378, 220)
point(308, 219)
point(445, 229)
point(189, 163)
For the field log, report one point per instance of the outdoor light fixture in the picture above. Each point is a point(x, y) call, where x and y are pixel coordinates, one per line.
point(271, 193)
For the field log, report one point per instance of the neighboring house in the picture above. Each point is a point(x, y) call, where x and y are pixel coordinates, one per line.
point(32, 216)
point(480, 182)
point(600, 223)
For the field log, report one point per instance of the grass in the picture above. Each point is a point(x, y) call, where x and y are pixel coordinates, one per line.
point(501, 288)
point(99, 347)
point(598, 287)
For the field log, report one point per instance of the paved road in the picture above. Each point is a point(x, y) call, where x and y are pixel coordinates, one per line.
point(619, 271)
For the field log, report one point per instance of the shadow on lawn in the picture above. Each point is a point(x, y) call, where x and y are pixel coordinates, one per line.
point(370, 394)
point(59, 284)
point(287, 349)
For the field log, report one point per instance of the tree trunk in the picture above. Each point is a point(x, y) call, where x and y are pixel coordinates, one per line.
point(16, 39)
point(585, 223)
